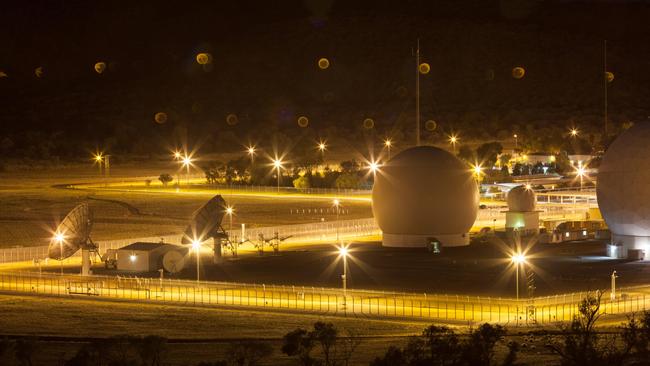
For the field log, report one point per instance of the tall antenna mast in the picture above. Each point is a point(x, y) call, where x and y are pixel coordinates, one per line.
point(417, 95)
point(604, 76)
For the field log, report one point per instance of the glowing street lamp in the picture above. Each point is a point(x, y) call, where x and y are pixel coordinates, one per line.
point(477, 169)
point(186, 161)
point(343, 252)
point(98, 158)
point(230, 211)
point(581, 172)
point(196, 245)
point(373, 166)
point(177, 155)
point(453, 139)
point(516, 141)
point(60, 238)
point(518, 259)
point(277, 164)
point(388, 143)
point(574, 132)
point(337, 204)
point(251, 152)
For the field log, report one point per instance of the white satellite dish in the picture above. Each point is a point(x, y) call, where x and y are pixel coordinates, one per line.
point(72, 234)
point(206, 224)
point(174, 261)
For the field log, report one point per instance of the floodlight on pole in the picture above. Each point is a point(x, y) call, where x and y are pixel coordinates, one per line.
point(250, 150)
point(343, 252)
point(453, 139)
point(581, 172)
point(196, 245)
point(337, 204)
point(277, 163)
point(187, 161)
point(98, 158)
point(60, 238)
point(373, 166)
point(388, 144)
point(518, 259)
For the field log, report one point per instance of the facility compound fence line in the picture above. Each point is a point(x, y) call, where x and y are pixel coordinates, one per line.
point(447, 308)
point(327, 230)
point(319, 231)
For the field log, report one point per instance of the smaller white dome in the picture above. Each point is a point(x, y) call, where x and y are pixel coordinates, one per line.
point(521, 199)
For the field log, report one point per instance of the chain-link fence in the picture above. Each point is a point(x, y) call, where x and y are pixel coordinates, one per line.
point(376, 304)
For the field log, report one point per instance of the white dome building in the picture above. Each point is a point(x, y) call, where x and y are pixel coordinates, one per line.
point(423, 195)
point(623, 190)
point(521, 214)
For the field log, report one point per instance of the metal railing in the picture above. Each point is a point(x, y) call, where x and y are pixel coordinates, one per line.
point(449, 308)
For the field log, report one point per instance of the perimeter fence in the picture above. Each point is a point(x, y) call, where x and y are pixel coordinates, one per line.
point(375, 304)
point(319, 231)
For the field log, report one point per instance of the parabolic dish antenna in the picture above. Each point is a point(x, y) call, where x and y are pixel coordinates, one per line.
point(174, 260)
point(206, 221)
point(72, 234)
point(206, 224)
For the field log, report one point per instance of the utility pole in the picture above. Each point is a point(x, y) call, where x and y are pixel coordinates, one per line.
point(614, 277)
point(604, 76)
point(417, 95)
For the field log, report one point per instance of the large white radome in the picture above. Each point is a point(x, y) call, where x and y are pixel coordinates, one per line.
point(424, 192)
point(623, 187)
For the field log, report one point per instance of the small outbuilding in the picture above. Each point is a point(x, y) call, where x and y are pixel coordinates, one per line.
point(142, 257)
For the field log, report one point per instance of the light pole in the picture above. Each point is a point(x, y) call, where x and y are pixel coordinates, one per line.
point(229, 212)
point(478, 170)
point(277, 163)
point(518, 259)
point(343, 252)
point(196, 245)
point(337, 204)
point(453, 139)
point(251, 152)
point(581, 173)
point(613, 294)
point(59, 238)
point(516, 141)
point(322, 146)
point(187, 161)
point(388, 143)
point(98, 159)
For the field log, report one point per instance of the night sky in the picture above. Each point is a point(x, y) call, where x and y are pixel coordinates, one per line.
point(264, 69)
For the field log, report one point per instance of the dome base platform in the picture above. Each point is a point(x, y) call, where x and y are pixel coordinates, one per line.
point(422, 241)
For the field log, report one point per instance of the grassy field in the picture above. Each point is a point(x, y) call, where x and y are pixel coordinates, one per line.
point(199, 334)
point(31, 207)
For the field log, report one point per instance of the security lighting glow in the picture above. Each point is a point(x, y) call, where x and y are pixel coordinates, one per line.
point(187, 161)
point(574, 132)
point(388, 143)
point(251, 150)
point(322, 146)
point(59, 237)
point(132, 257)
point(196, 244)
point(177, 154)
point(528, 186)
point(98, 157)
point(477, 169)
point(336, 202)
point(453, 139)
point(373, 166)
point(518, 258)
point(277, 163)
point(343, 251)
point(229, 210)
point(581, 172)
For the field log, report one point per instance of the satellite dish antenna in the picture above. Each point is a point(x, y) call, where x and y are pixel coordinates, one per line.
point(174, 261)
point(72, 234)
point(206, 224)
